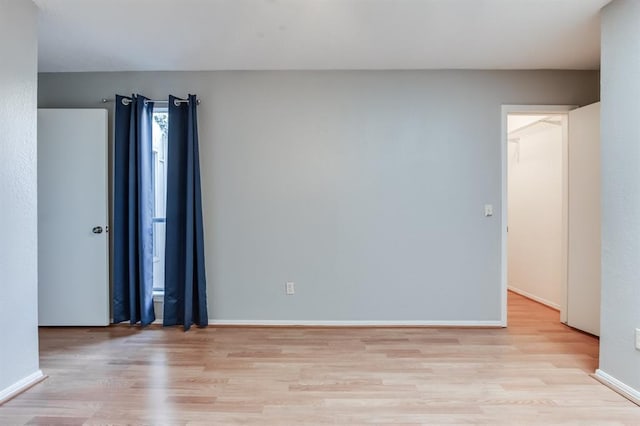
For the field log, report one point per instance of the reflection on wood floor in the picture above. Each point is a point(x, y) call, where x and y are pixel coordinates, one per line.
point(534, 372)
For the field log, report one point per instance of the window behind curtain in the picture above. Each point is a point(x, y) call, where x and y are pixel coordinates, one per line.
point(160, 132)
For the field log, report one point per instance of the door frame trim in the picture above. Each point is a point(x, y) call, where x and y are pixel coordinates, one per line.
point(530, 109)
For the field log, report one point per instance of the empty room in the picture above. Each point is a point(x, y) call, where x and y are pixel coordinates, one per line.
point(319, 212)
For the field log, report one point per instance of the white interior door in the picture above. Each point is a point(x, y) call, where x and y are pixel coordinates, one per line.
point(583, 258)
point(73, 272)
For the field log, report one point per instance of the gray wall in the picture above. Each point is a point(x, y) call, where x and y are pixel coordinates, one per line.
point(620, 191)
point(18, 195)
point(365, 188)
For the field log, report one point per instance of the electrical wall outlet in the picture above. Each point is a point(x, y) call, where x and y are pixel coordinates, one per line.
point(290, 288)
point(638, 339)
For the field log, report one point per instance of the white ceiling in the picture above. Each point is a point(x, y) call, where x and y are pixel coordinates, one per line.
point(117, 35)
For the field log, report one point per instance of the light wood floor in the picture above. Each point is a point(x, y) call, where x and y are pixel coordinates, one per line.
point(534, 372)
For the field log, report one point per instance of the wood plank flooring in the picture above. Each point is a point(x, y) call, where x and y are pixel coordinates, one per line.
point(534, 372)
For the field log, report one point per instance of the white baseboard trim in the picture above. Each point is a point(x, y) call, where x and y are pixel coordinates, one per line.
point(21, 386)
point(534, 297)
point(353, 323)
point(314, 323)
point(627, 391)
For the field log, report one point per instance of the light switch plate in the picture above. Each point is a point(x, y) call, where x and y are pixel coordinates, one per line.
point(488, 210)
point(290, 288)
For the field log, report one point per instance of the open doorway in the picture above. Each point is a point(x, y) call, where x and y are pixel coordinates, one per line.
point(523, 124)
point(560, 269)
point(537, 206)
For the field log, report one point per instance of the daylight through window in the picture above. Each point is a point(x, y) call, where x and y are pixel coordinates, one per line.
point(160, 135)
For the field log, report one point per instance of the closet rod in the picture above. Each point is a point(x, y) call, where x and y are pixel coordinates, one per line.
point(545, 119)
point(126, 101)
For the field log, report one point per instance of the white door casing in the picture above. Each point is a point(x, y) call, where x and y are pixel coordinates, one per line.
point(529, 110)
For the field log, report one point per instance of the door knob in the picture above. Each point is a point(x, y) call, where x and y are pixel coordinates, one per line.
point(97, 230)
